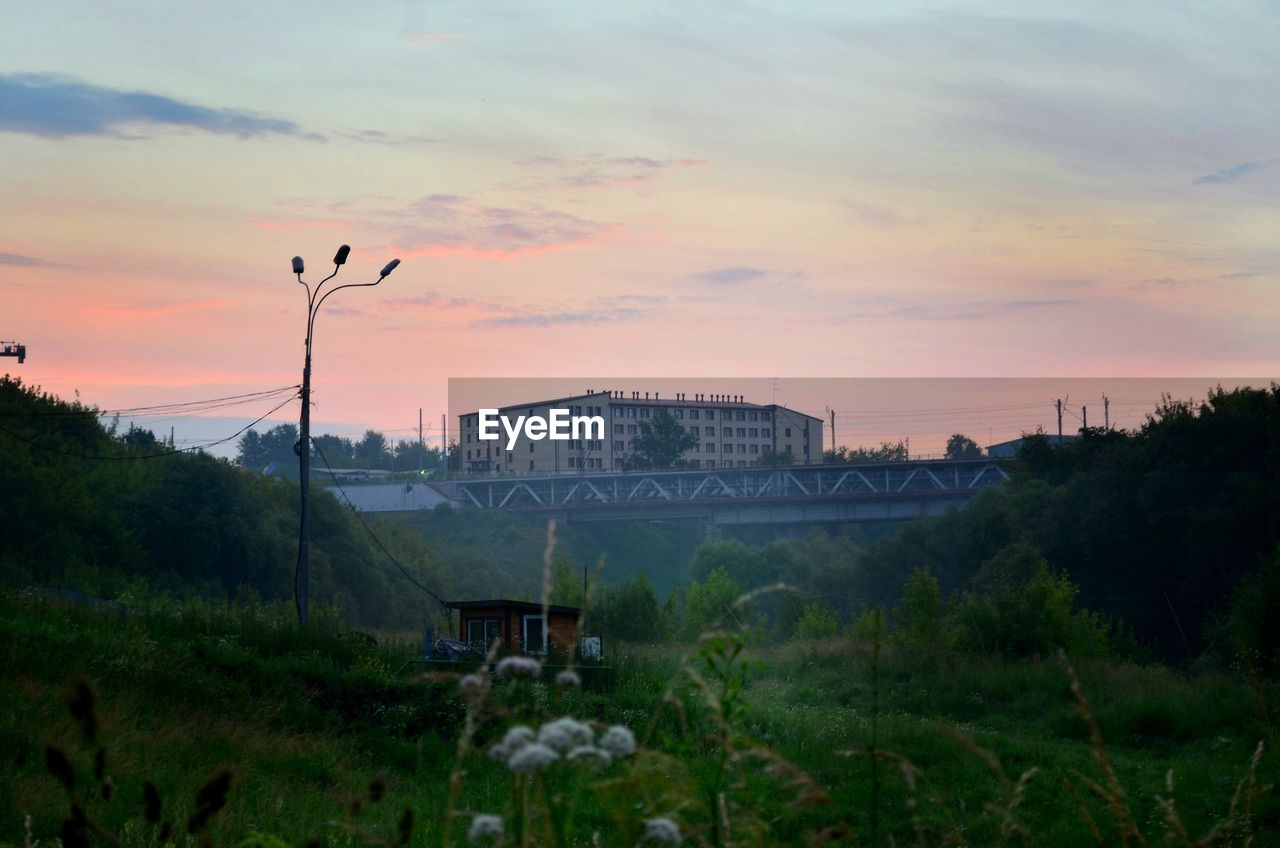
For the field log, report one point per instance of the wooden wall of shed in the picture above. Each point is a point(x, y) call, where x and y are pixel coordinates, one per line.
point(562, 630)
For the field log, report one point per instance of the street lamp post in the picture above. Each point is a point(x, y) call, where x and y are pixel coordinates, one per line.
point(302, 573)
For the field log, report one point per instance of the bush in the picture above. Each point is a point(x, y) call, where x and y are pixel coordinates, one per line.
point(923, 623)
point(816, 622)
point(1021, 608)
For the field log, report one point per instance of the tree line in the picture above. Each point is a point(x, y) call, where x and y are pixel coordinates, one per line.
point(274, 452)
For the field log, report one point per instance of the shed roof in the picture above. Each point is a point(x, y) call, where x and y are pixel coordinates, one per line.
point(522, 606)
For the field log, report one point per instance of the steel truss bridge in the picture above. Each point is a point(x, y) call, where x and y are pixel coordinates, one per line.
point(800, 494)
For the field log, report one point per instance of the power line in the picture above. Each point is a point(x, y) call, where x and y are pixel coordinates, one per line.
point(159, 409)
point(152, 455)
point(369, 530)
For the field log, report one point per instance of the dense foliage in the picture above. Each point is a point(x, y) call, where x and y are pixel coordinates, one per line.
point(120, 516)
point(1154, 529)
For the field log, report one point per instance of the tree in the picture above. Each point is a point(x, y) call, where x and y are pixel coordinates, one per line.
point(960, 446)
point(709, 603)
point(816, 622)
point(629, 611)
point(773, 457)
point(566, 585)
point(923, 611)
point(662, 442)
point(335, 449)
point(887, 452)
point(372, 451)
point(258, 452)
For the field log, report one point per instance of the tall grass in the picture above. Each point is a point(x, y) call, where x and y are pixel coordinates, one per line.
point(319, 737)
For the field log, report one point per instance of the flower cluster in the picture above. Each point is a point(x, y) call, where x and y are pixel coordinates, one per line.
point(526, 751)
point(484, 827)
point(518, 667)
point(618, 741)
point(568, 677)
point(663, 831)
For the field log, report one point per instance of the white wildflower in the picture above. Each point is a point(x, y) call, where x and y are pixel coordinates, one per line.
point(618, 741)
point(518, 667)
point(469, 683)
point(484, 827)
point(515, 739)
point(568, 677)
point(565, 733)
point(588, 754)
point(532, 757)
point(663, 831)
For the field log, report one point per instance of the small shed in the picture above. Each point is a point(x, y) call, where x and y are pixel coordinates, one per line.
point(519, 626)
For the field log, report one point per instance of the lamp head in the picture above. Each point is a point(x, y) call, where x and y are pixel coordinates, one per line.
point(390, 266)
point(297, 264)
point(341, 258)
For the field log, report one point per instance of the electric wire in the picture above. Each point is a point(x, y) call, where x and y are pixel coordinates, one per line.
point(158, 409)
point(369, 530)
point(151, 455)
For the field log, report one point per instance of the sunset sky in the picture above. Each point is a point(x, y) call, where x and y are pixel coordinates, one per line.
point(634, 189)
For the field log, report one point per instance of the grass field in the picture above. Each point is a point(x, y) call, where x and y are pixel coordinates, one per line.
point(304, 723)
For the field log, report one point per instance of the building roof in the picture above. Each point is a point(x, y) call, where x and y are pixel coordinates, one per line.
point(1053, 439)
point(523, 606)
point(604, 396)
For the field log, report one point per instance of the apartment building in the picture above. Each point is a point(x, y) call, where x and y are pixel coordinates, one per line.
point(731, 433)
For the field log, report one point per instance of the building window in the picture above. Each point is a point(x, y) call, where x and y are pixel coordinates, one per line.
point(617, 429)
point(696, 448)
point(535, 634)
point(482, 632)
point(644, 412)
point(728, 463)
point(679, 413)
point(617, 445)
point(787, 449)
point(632, 429)
point(711, 415)
point(693, 415)
point(753, 416)
point(711, 447)
point(764, 431)
point(631, 412)
point(787, 433)
point(742, 416)
point(617, 412)
point(727, 432)
point(764, 416)
point(742, 432)
point(755, 449)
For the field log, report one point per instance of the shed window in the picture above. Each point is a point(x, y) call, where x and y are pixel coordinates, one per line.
point(482, 631)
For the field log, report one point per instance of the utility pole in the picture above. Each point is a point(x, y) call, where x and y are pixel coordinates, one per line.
point(444, 443)
point(1085, 419)
point(1058, 404)
point(422, 445)
point(302, 574)
point(1106, 413)
point(833, 428)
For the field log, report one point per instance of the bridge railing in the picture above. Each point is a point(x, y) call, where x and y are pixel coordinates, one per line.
point(957, 477)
